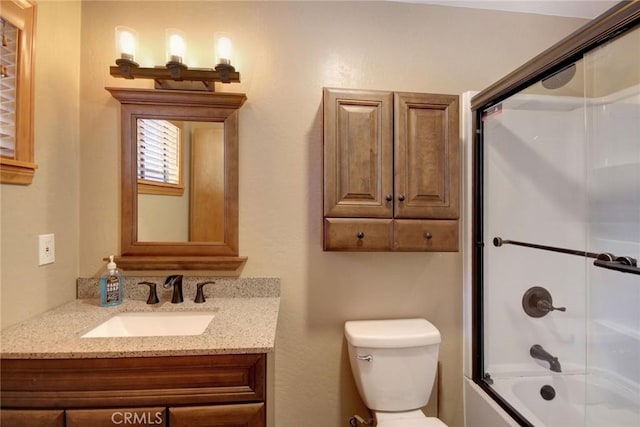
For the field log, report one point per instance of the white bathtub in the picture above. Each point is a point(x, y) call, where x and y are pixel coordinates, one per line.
point(580, 401)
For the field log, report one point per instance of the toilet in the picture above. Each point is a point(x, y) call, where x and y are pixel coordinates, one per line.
point(394, 364)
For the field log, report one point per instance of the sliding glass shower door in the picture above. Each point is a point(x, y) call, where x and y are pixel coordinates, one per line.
point(559, 191)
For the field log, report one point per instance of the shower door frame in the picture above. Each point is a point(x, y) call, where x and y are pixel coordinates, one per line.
point(619, 19)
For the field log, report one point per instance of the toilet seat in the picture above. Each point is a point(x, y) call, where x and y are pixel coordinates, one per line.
point(406, 419)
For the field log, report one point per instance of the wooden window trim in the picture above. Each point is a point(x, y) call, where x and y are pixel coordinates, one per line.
point(21, 169)
point(159, 188)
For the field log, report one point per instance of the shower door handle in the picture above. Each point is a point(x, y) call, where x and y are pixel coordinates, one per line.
point(617, 265)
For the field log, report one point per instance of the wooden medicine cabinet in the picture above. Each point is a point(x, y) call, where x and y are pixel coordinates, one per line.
point(179, 179)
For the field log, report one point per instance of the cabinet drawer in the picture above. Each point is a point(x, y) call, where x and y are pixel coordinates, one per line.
point(132, 381)
point(31, 418)
point(109, 417)
point(412, 235)
point(246, 415)
point(357, 234)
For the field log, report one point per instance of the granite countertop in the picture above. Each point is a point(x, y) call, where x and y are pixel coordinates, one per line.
point(246, 314)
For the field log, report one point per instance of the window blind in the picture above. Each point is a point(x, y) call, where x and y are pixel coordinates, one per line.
point(158, 151)
point(8, 82)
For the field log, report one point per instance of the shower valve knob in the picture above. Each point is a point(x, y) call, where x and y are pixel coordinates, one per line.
point(537, 302)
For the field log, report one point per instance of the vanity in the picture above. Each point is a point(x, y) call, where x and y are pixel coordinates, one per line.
point(53, 376)
point(179, 211)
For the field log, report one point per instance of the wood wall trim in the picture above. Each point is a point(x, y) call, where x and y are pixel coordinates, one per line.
point(17, 172)
point(225, 263)
point(182, 98)
point(609, 24)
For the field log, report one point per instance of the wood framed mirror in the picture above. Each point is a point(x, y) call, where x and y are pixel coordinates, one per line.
point(179, 179)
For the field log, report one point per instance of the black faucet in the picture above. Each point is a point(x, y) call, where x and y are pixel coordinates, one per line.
point(537, 352)
point(174, 280)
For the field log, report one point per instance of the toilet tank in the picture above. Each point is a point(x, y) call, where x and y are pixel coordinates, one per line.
point(394, 362)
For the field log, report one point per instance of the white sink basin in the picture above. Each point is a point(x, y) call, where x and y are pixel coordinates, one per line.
point(152, 324)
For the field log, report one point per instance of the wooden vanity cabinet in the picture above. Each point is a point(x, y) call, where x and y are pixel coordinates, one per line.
point(216, 390)
point(391, 171)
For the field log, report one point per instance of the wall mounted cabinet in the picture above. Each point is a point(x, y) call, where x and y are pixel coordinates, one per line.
point(391, 171)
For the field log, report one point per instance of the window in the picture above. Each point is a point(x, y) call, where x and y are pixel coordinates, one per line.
point(17, 28)
point(159, 157)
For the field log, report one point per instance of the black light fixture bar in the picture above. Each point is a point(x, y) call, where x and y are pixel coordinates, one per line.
point(177, 75)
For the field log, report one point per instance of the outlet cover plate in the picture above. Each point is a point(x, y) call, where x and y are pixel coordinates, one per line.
point(46, 249)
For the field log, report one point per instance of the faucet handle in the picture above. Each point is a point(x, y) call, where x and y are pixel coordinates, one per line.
point(545, 305)
point(200, 291)
point(153, 294)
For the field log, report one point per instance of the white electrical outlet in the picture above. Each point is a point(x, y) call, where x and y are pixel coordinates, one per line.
point(47, 249)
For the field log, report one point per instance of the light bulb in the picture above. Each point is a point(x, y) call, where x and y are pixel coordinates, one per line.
point(126, 40)
point(176, 46)
point(223, 49)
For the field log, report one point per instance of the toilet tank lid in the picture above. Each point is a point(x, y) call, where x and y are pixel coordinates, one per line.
point(395, 333)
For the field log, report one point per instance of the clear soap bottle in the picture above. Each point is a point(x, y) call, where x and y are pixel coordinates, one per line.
point(111, 285)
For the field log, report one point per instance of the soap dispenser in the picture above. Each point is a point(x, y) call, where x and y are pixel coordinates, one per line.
point(111, 285)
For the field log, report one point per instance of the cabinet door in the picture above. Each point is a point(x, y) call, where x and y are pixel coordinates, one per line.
point(358, 140)
point(246, 415)
point(31, 418)
point(155, 417)
point(426, 156)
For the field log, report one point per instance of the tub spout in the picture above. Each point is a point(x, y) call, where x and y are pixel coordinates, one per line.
point(537, 352)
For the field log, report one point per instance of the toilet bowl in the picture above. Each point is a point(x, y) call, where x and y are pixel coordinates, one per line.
point(406, 419)
point(394, 364)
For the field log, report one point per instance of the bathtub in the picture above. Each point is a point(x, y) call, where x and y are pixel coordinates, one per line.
point(580, 401)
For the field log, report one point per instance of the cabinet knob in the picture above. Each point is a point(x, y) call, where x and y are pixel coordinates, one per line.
point(428, 235)
point(401, 197)
point(388, 197)
point(360, 235)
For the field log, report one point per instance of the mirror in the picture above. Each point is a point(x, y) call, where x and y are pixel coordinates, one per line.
point(185, 185)
point(179, 179)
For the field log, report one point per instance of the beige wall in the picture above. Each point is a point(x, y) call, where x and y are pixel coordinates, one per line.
point(286, 52)
point(51, 203)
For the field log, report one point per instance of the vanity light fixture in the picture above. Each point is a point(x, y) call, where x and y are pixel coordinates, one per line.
point(175, 74)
